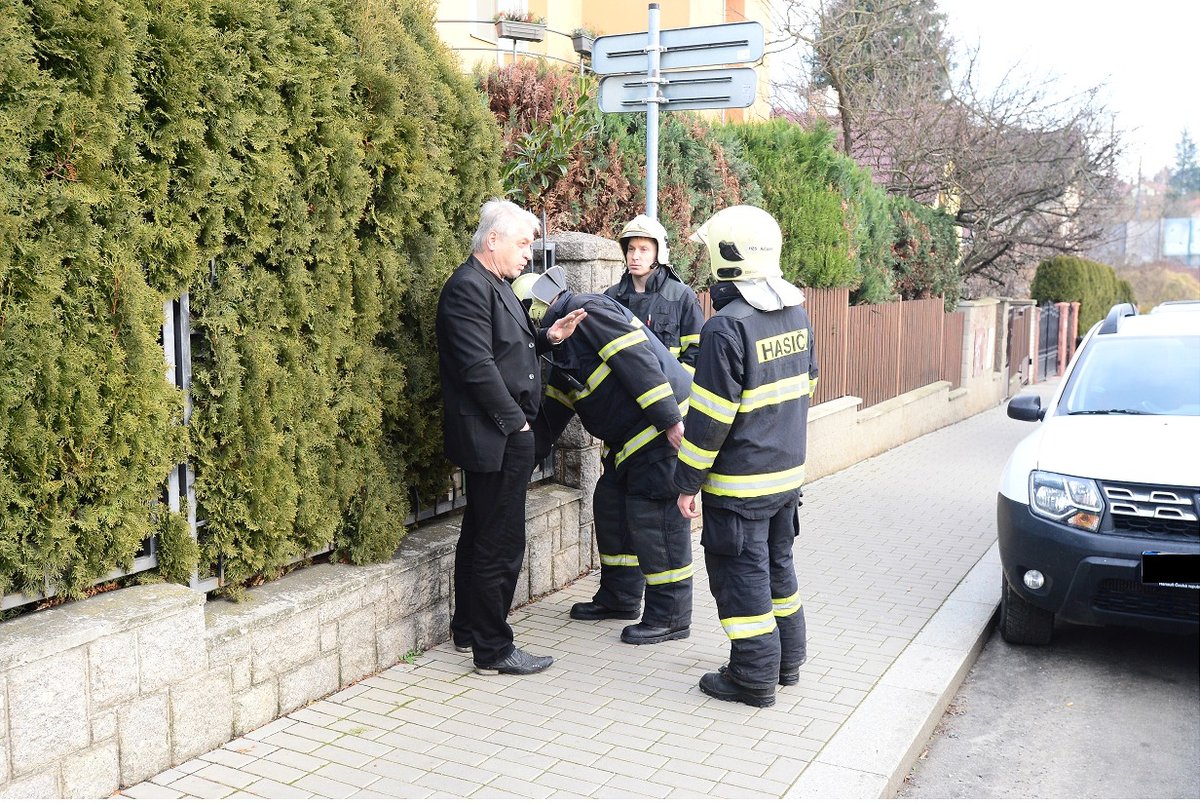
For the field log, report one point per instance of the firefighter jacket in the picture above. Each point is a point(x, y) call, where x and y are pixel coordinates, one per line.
point(744, 438)
point(624, 384)
point(668, 308)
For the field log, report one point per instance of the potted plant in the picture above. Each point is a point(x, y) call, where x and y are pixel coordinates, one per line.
point(582, 39)
point(522, 26)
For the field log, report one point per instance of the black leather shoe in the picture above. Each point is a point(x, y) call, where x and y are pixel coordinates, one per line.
point(518, 663)
point(788, 676)
point(594, 611)
point(462, 647)
point(643, 634)
point(723, 688)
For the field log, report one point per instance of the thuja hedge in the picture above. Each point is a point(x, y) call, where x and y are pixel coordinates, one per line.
point(1094, 285)
point(309, 172)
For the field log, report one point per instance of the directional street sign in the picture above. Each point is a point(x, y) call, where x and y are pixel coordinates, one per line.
point(680, 48)
point(729, 88)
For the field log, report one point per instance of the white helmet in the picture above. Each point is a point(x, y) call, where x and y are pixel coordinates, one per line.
point(744, 245)
point(538, 291)
point(645, 226)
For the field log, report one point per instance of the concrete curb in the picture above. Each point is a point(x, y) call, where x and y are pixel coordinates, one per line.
point(869, 756)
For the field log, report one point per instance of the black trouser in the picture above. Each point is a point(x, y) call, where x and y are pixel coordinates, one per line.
point(491, 548)
point(644, 542)
point(753, 580)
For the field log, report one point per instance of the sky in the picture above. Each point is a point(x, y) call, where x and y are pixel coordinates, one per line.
point(1146, 52)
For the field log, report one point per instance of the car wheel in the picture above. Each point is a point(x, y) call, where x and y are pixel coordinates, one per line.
point(1021, 622)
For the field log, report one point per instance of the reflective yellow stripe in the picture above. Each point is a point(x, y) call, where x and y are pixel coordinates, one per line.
point(775, 393)
point(689, 369)
point(670, 576)
point(674, 350)
point(624, 342)
point(689, 340)
point(593, 382)
point(705, 401)
point(634, 444)
point(746, 627)
point(754, 485)
point(559, 396)
point(618, 560)
point(654, 395)
point(696, 457)
point(785, 606)
point(812, 386)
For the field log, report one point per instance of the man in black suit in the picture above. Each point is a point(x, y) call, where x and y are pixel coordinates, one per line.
point(491, 391)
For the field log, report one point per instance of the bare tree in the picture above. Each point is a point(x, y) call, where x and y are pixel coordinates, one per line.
point(1025, 173)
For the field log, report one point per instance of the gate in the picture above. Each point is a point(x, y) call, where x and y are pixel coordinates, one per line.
point(1048, 329)
point(1019, 358)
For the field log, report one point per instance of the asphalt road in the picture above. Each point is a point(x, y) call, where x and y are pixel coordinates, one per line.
point(1100, 713)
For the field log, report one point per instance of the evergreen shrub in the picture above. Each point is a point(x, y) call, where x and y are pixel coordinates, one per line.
point(925, 252)
point(600, 185)
point(837, 229)
point(310, 172)
point(1094, 285)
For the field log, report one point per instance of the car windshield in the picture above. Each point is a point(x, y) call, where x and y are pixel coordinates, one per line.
point(1140, 375)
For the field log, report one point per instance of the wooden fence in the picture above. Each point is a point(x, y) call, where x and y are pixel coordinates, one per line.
point(879, 351)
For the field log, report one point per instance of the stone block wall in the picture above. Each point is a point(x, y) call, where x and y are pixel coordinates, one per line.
point(106, 692)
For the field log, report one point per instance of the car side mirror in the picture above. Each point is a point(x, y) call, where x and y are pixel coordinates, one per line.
point(1027, 408)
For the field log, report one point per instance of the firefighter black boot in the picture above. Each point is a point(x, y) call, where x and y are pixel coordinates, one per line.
point(722, 687)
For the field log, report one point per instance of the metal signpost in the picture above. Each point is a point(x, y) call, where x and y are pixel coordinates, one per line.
point(651, 69)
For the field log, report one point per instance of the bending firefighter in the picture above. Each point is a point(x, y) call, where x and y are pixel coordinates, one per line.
point(744, 448)
point(629, 392)
point(654, 293)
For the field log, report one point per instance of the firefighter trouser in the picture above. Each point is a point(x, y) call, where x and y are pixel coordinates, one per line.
point(644, 542)
point(753, 580)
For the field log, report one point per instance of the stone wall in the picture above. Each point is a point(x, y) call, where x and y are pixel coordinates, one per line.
point(108, 691)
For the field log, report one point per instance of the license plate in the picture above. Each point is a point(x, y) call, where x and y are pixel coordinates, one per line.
point(1171, 569)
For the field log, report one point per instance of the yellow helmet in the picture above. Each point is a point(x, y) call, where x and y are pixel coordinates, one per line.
point(743, 242)
point(538, 291)
point(645, 226)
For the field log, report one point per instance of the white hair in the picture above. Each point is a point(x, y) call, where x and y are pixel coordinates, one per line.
point(505, 217)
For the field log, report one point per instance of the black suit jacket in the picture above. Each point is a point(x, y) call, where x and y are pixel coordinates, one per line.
point(487, 358)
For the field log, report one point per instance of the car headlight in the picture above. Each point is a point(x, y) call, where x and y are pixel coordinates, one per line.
point(1074, 501)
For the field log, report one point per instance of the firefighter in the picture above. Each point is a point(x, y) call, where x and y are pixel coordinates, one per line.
point(655, 293)
point(744, 448)
point(628, 390)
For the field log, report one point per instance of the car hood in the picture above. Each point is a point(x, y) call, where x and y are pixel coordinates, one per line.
point(1138, 449)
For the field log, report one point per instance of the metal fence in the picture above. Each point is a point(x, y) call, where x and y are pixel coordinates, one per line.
point(1048, 339)
point(179, 487)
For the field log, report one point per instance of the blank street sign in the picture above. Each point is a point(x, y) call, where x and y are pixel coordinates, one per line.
point(700, 46)
point(729, 88)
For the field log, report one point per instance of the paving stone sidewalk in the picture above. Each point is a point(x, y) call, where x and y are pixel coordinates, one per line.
point(899, 577)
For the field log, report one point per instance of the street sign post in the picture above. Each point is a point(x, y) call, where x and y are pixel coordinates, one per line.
point(635, 63)
point(681, 48)
point(730, 88)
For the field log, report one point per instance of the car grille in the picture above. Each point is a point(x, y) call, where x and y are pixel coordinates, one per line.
point(1132, 597)
point(1160, 511)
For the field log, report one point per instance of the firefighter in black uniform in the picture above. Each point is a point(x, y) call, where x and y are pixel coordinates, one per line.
point(630, 392)
point(653, 291)
point(744, 448)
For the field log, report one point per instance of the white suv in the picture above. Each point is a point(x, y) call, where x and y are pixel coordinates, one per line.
point(1099, 508)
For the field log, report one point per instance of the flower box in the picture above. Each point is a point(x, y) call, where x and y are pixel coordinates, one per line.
point(582, 44)
point(522, 31)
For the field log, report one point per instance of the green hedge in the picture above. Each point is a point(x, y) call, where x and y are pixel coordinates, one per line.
point(598, 180)
point(1094, 285)
point(836, 225)
point(925, 252)
point(310, 172)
